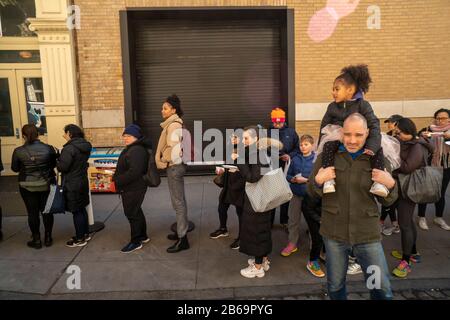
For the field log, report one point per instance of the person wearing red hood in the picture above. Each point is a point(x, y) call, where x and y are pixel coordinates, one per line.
point(291, 147)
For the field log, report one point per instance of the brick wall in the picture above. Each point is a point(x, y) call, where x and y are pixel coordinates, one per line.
point(408, 57)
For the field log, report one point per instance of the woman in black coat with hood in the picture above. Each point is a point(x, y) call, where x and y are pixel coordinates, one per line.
point(73, 164)
point(131, 167)
point(256, 227)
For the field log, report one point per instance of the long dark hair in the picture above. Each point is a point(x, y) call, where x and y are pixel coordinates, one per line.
point(358, 76)
point(74, 131)
point(30, 133)
point(407, 126)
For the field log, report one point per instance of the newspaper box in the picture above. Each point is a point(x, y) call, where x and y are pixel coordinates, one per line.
point(102, 164)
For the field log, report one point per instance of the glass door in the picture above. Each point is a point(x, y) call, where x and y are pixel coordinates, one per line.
point(10, 122)
point(31, 100)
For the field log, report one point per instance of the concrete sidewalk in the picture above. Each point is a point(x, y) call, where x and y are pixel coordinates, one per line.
point(209, 270)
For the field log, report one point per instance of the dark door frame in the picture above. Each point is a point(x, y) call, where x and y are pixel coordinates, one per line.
point(287, 47)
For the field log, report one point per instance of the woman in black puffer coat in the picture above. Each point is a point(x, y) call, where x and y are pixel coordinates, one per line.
point(73, 164)
point(256, 228)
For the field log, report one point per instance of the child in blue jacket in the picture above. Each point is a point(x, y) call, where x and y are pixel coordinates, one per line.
point(297, 175)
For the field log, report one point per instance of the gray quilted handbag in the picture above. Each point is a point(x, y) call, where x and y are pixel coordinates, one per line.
point(271, 191)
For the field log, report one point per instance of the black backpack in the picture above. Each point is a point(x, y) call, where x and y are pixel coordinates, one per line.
point(152, 178)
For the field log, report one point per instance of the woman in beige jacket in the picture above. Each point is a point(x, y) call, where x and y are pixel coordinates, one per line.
point(169, 157)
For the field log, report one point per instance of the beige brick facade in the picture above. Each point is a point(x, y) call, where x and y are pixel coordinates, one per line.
point(408, 57)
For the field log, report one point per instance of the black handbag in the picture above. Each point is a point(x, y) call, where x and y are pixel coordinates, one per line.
point(219, 180)
point(56, 202)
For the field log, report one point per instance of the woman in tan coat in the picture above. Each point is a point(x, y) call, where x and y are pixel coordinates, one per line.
point(169, 157)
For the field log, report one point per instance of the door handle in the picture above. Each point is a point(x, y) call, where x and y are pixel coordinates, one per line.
point(17, 133)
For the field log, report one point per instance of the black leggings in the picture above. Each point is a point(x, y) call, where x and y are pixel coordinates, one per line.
point(331, 147)
point(311, 208)
point(407, 226)
point(35, 204)
point(223, 215)
point(440, 205)
point(385, 211)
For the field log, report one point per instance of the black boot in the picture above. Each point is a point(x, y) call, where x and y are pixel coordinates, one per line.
point(48, 241)
point(36, 242)
point(173, 237)
point(181, 244)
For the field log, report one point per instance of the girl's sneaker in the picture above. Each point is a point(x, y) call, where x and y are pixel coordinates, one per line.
point(402, 270)
point(251, 272)
point(416, 258)
point(315, 269)
point(266, 264)
point(290, 249)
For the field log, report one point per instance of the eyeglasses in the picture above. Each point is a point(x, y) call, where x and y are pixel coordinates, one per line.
point(441, 119)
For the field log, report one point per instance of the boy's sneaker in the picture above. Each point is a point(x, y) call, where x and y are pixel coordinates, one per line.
point(131, 247)
point(87, 237)
point(416, 258)
point(379, 190)
point(265, 264)
point(74, 242)
point(290, 249)
point(219, 233)
point(251, 272)
point(402, 270)
point(146, 240)
point(423, 223)
point(354, 268)
point(315, 269)
point(387, 231)
point(441, 223)
point(328, 186)
point(235, 244)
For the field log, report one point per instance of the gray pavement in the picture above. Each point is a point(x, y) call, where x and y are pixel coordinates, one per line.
point(209, 270)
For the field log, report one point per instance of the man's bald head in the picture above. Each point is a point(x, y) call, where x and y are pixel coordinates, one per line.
point(355, 132)
point(356, 117)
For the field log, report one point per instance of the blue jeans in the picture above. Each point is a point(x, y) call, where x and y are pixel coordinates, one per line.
point(367, 254)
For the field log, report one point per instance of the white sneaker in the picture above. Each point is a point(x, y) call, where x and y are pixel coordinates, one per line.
point(396, 228)
point(423, 224)
point(387, 231)
point(252, 271)
point(328, 186)
point(379, 190)
point(441, 223)
point(354, 268)
point(265, 265)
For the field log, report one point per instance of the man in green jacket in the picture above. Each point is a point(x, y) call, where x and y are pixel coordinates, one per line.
point(350, 217)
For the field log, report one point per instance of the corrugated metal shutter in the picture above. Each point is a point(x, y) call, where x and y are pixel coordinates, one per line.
point(225, 71)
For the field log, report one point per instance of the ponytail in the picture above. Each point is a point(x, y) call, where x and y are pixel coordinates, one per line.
point(356, 75)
